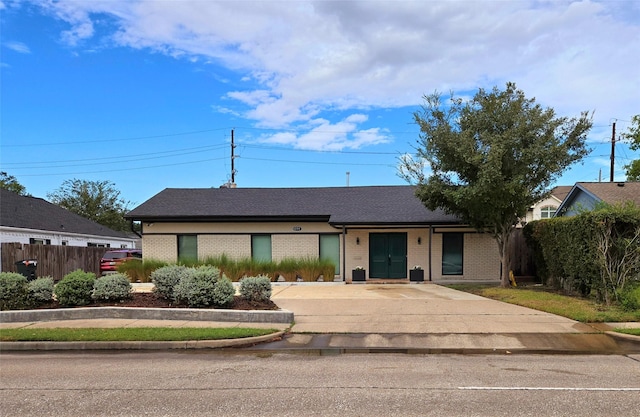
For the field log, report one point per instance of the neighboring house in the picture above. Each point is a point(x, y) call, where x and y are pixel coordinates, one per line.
point(585, 196)
point(384, 229)
point(31, 220)
point(546, 208)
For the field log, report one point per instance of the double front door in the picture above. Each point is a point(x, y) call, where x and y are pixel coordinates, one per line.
point(387, 255)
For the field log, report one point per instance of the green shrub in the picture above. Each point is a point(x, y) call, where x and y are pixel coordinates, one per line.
point(204, 287)
point(167, 277)
point(14, 291)
point(630, 297)
point(113, 287)
point(75, 288)
point(256, 289)
point(41, 290)
point(223, 292)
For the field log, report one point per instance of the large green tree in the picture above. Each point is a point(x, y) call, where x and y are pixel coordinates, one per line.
point(633, 135)
point(9, 182)
point(492, 157)
point(99, 201)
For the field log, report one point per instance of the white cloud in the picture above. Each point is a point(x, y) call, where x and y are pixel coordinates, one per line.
point(322, 135)
point(301, 58)
point(19, 47)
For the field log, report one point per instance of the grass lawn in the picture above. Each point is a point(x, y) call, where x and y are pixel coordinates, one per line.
point(635, 332)
point(544, 299)
point(155, 334)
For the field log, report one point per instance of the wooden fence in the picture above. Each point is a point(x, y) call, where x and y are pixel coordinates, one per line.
point(522, 262)
point(54, 261)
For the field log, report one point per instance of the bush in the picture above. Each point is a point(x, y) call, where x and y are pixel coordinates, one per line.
point(223, 292)
point(75, 288)
point(630, 297)
point(256, 288)
point(114, 287)
point(167, 277)
point(14, 291)
point(204, 287)
point(41, 290)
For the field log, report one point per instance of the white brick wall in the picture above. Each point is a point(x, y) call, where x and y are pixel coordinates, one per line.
point(234, 246)
point(160, 247)
point(294, 246)
point(481, 261)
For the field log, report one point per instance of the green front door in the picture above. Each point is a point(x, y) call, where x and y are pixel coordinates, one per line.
point(387, 255)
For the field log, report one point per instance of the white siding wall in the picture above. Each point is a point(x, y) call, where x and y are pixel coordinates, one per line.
point(9, 235)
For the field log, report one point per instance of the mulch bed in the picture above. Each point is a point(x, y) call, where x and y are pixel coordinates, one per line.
point(151, 300)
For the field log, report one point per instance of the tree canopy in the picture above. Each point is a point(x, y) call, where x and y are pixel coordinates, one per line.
point(9, 182)
point(99, 201)
point(633, 135)
point(492, 157)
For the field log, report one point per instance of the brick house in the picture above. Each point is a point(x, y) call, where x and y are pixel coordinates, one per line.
point(384, 229)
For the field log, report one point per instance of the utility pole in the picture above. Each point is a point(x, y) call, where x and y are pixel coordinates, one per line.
point(613, 151)
point(233, 169)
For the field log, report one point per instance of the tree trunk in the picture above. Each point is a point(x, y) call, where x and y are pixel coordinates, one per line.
point(503, 248)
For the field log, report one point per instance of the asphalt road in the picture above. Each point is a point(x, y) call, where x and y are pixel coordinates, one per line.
point(218, 384)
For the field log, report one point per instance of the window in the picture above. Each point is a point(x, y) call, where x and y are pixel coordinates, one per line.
point(65, 242)
point(547, 212)
point(187, 247)
point(261, 247)
point(452, 253)
point(330, 250)
point(98, 245)
point(33, 241)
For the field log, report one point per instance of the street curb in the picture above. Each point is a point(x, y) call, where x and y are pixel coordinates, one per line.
point(624, 336)
point(137, 345)
point(136, 313)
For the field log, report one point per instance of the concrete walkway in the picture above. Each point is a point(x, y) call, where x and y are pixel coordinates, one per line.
point(417, 318)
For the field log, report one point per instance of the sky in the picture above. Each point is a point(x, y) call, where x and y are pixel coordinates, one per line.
point(146, 94)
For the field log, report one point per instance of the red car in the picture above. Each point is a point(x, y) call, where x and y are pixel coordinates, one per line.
point(111, 259)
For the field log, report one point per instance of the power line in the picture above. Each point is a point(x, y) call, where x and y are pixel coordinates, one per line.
point(278, 148)
point(122, 169)
point(22, 145)
point(314, 162)
point(165, 154)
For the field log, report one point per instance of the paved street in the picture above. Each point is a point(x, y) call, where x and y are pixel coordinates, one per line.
point(206, 384)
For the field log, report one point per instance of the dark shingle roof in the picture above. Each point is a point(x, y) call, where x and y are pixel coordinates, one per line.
point(337, 205)
point(36, 213)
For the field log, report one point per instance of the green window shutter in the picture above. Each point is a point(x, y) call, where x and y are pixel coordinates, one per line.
point(261, 248)
point(452, 253)
point(330, 250)
point(187, 247)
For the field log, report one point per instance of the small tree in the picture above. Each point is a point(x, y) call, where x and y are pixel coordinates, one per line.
point(493, 157)
point(9, 182)
point(99, 201)
point(633, 135)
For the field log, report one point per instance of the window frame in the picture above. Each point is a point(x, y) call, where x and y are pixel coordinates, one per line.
point(545, 210)
point(180, 247)
point(254, 241)
point(447, 242)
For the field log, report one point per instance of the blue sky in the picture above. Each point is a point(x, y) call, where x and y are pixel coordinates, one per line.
point(145, 93)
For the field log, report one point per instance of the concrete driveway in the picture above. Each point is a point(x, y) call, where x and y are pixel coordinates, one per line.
point(410, 309)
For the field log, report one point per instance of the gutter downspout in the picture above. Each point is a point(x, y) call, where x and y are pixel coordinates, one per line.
point(133, 230)
point(344, 253)
point(430, 259)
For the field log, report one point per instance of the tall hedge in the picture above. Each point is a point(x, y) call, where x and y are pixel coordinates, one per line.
point(597, 251)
